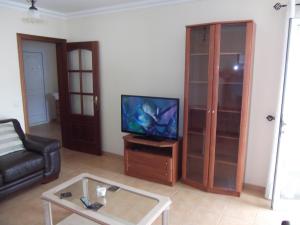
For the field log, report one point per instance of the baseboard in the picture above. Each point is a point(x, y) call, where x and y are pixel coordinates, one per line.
point(255, 188)
point(112, 155)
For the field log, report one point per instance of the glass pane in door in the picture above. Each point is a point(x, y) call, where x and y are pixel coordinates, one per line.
point(230, 90)
point(87, 82)
point(73, 60)
point(86, 59)
point(74, 82)
point(198, 89)
point(75, 104)
point(88, 105)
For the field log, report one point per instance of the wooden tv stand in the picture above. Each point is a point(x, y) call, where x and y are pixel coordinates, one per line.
point(151, 160)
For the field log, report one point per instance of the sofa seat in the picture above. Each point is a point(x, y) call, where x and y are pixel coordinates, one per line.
point(16, 165)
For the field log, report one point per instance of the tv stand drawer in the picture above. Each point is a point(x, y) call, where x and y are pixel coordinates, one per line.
point(148, 173)
point(158, 162)
point(149, 166)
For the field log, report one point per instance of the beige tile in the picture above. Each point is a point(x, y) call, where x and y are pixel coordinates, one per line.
point(227, 220)
point(201, 217)
point(190, 206)
point(268, 217)
point(238, 209)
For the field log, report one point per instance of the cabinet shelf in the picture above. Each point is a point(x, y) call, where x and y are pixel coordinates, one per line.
point(226, 159)
point(228, 135)
point(202, 108)
point(225, 135)
point(231, 83)
point(199, 54)
point(195, 155)
point(221, 53)
point(198, 82)
point(194, 132)
point(232, 53)
point(80, 71)
point(229, 111)
point(222, 159)
point(197, 107)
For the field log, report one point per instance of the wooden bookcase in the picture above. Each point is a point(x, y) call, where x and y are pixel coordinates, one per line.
point(216, 105)
point(151, 160)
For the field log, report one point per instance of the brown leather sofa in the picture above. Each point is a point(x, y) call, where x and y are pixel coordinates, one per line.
point(38, 163)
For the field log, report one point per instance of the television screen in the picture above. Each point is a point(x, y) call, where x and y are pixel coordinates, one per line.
point(150, 116)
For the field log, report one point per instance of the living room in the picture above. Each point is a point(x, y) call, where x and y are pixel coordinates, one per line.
point(142, 51)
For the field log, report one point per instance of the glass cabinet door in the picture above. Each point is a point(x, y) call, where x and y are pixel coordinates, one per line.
point(198, 102)
point(229, 103)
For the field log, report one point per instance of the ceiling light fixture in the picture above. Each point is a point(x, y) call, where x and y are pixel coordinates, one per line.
point(33, 14)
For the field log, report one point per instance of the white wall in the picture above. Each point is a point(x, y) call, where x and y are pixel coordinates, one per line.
point(10, 86)
point(48, 51)
point(142, 52)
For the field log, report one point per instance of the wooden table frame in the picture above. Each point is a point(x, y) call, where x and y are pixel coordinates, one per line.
point(49, 198)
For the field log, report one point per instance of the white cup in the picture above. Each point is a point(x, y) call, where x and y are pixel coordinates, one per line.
point(101, 191)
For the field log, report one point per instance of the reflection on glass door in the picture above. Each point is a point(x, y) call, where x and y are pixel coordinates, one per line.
point(230, 92)
point(80, 76)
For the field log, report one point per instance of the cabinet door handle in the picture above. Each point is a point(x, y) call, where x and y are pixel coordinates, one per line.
point(213, 112)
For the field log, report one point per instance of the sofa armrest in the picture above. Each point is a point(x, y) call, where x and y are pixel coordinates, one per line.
point(49, 149)
point(41, 145)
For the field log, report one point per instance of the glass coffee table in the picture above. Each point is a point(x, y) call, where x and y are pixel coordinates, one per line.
point(95, 200)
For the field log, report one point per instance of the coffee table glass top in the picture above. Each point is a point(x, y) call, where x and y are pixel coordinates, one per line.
point(123, 205)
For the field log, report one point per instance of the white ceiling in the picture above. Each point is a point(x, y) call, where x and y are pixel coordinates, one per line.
point(72, 6)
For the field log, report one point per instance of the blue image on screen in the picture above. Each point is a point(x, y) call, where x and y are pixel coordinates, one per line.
point(149, 116)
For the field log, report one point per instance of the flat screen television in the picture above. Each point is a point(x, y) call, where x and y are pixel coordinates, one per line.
point(151, 117)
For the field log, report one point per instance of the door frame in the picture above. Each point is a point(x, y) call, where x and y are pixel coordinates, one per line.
point(60, 48)
point(276, 201)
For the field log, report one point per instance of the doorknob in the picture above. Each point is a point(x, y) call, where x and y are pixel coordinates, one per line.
point(96, 101)
point(270, 118)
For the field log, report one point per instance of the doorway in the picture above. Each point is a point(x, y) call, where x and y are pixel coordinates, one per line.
point(35, 88)
point(78, 92)
point(286, 194)
point(40, 67)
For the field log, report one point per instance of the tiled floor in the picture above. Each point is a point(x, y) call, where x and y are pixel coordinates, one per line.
point(190, 206)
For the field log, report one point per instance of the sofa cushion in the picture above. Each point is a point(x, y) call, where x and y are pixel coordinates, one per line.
point(9, 139)
point(1, 180)
point(19, 164)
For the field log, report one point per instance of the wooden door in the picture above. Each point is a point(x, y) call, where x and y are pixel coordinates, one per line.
point(230, 106)
point(197, 104)
point(81, 117)
point(35, 88)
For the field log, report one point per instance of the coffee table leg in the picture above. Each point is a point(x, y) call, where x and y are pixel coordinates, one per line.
point(165, 217)
point(85, 187)
point(47, 213)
